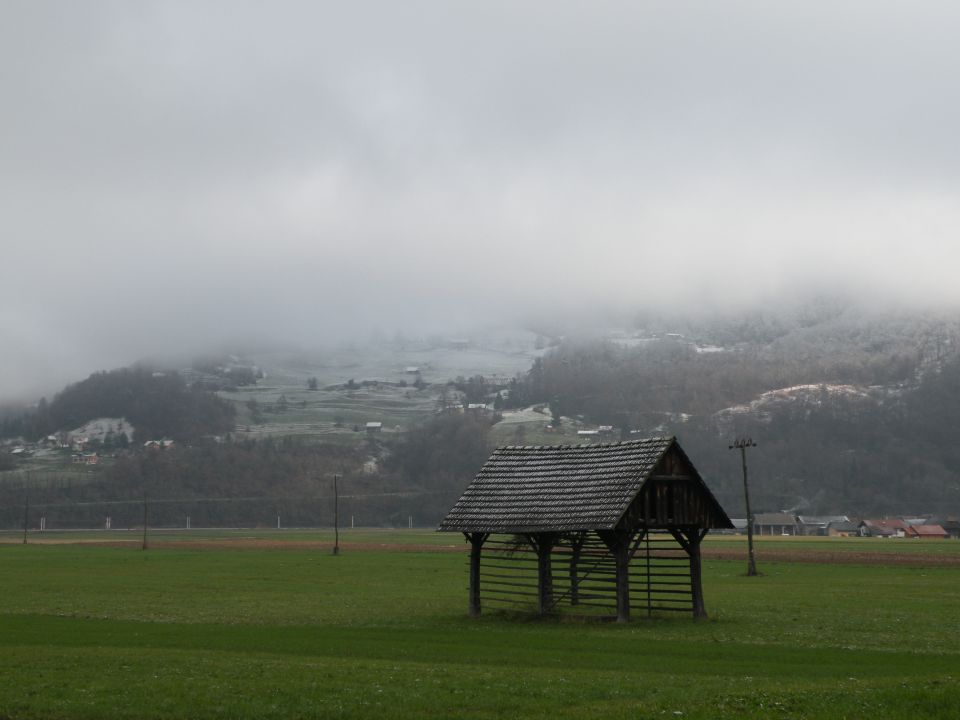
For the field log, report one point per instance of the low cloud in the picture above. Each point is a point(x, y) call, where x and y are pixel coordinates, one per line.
point(175, 175)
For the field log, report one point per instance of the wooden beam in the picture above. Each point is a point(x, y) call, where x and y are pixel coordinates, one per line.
point(679, 536)
point(696, 584)
point(576, 547)
point(619, 544)
point(689, 540)
point(476, 548)
point(543, 543)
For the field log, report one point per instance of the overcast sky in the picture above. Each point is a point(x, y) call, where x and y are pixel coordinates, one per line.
point(177, 173)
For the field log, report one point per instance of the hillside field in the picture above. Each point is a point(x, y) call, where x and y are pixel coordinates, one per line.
point(332, 412)
point(259, 624)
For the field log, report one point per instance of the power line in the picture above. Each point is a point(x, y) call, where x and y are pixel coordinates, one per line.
point(257, 498)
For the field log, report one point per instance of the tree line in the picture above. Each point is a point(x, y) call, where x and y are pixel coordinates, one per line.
point(248, 483)
point(890, 450)
point(156, 404)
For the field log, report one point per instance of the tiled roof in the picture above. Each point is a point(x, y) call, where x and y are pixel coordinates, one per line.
point(927, 530)
point(885, 524)
point(843, 526)
point(821, 519)
point(774, 519)
point(557, 488)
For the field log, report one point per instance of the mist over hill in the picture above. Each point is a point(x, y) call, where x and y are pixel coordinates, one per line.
point(692, 230)
point(853, 408)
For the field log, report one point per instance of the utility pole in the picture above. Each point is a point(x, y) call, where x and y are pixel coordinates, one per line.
point(144, 546)
point(26, 505)
point(26, 514)
point(336, 516)
point(742, 444)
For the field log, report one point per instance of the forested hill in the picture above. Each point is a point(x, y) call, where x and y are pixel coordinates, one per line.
point(852, 415)
point(854, 412)
point(156, 404)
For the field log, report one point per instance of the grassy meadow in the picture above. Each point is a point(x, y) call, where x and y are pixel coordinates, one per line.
point(235, 630)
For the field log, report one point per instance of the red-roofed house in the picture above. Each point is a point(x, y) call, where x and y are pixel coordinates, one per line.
point(927, 531)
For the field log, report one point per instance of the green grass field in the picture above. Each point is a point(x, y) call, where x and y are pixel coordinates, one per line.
point(381, 631)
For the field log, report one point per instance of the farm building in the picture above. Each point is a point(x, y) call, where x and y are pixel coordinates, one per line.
point(842, 529)
point(774, 524)
point(158, 444)
point(818, 524)
point(950, 524)
point(926, 531)
point(739, 527)
point(887, 527)
point(615, 526)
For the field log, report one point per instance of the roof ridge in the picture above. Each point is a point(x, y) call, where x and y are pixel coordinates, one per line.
point(587, 446)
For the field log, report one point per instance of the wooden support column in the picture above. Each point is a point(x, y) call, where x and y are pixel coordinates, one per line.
point(690, 542)
point(696, 585)
point(476, 547)
point(576, 549)
point(543, 544)
point(618, 542)
point(622, 555)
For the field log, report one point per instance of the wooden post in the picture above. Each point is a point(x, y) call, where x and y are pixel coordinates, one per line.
point(26, 505)
point(622, 555)
point(742, 444)
point(543, 544)
point(648, 570)
point(577, 548)
point(26, 515)
point(336, 516)
point(696, 585)
point(144, 546)
point(476, 547)
point(690, 542)
point(618, 542)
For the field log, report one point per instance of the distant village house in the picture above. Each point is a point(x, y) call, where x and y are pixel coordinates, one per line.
point(158, 444)
point(846, 528)
point(818, 524)
point(926, 531)
point(774, 524)
point(886, 527)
